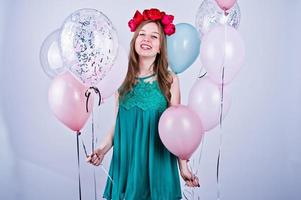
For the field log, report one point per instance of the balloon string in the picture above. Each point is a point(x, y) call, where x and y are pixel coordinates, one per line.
point(217, 173)
point(221, 119)
point(88, 93)
point(92, 139)
point(196, 172)
point(222, 99)
point(201, 151)
point(107, 173)
point(218, 167)
point(201, 76)
point(78, 165)
point(103, 168)
point(223, 78)
point(93, 148)
point(94, 180)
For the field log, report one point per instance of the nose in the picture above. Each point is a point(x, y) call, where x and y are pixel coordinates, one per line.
point(146, 38)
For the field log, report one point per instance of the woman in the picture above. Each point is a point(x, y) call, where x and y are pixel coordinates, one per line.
point(141, 167)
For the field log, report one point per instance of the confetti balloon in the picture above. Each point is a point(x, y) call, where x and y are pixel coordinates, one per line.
point(89, 45)
point(210, 14)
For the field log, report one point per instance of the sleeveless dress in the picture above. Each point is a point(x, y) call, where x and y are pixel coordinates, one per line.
point(141, 166)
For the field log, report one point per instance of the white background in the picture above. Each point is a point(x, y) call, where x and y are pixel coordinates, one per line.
point(261, 134)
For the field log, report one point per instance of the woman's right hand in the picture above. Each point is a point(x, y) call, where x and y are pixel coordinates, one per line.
point(96, 157)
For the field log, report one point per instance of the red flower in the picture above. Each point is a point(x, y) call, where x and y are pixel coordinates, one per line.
point(169, 29)
point(138, 17)
point(132, 24)
point(154, 14)
point(167, 19)
point(145, 14)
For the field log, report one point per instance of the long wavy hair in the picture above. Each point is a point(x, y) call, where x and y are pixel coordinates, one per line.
point(160, 66)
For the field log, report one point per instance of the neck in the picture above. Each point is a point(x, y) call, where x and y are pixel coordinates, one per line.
point(146, 65)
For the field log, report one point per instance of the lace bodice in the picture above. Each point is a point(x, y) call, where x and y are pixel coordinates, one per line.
point(145, 94)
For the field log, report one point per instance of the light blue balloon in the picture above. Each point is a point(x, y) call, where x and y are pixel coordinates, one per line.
point(183, 47)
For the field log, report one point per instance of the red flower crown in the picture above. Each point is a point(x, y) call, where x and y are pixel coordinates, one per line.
point(153, 14)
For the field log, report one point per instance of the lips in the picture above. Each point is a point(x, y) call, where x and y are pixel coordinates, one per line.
point(145, 47)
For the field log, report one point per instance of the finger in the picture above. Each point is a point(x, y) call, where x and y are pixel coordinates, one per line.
point(189, 183)
point(88, 159)
point(196, 182)
point(192, 177)
point(94, 157)
point(188, 177)
point(95, 162)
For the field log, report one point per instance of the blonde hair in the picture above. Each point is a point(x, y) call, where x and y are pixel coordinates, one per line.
point(164, 77)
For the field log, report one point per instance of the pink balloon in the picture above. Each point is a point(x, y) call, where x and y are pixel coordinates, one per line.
point(112, 81)
point(205, 100)
point(225, 4)
point(180, 130)
point(67, 100)
point(222, 46)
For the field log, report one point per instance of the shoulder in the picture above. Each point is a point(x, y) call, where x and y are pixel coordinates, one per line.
point(175, 90)
point(174, 79)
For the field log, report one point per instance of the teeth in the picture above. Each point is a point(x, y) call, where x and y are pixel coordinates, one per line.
point(146, 47)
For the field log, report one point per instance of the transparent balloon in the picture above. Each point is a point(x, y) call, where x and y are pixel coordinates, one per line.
point(113, 80)
point(50, 56)
point(210, 14)
point(89, 45)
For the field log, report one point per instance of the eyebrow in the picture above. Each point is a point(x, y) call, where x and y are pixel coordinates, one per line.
point(152, 32)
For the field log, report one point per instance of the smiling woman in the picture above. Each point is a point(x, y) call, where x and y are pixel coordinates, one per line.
point(262, 133)
point(141, 166)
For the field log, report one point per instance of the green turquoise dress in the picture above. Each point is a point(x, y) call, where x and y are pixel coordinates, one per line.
point(141, 167)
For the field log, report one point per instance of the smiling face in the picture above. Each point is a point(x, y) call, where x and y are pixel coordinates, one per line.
point(147, 43)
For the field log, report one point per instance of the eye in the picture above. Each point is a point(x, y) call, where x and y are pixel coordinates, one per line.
point(141, 34)
point(154, 37)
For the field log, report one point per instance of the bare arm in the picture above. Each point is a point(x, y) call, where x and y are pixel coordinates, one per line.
point(108, 141)
point(188, 177)
point(176, 100)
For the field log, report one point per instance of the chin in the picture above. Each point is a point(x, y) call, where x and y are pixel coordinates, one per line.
point(146, 54)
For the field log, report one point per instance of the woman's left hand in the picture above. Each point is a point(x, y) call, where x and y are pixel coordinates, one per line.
point(190, 179)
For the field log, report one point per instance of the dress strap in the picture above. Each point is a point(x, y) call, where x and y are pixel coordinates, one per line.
point(146, 77)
